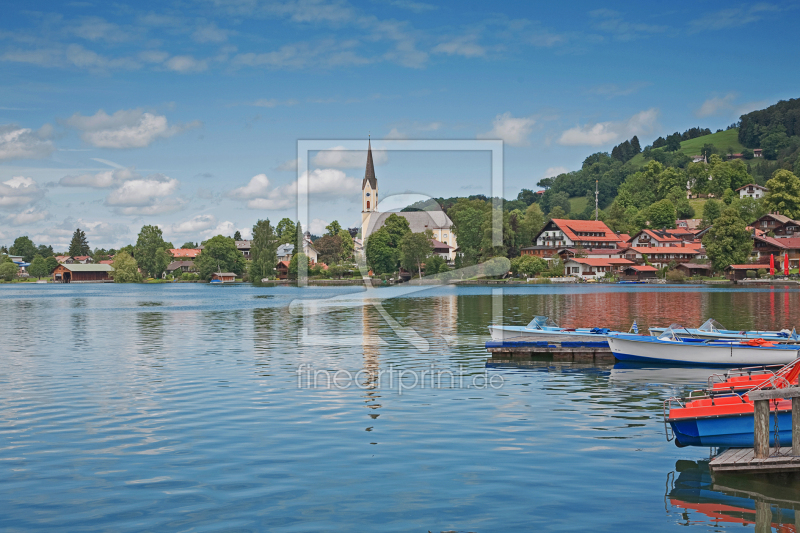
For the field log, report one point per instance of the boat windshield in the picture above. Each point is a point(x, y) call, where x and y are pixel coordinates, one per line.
point(669, 333)
point(541, 322)
point(711, 326)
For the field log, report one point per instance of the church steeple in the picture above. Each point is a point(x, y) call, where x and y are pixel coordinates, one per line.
point(369, 187)
point(369, 175)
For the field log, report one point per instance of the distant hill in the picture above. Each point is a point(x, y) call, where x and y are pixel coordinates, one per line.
point(723, 140)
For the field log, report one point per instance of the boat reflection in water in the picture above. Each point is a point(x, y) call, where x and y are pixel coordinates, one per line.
point(694, 498)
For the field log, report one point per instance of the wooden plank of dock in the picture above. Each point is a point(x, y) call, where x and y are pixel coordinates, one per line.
point(561, 349)
point(743, 460)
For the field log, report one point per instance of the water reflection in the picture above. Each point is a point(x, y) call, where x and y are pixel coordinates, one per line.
point(694, 498)
point(79, 320)
point(371, 364)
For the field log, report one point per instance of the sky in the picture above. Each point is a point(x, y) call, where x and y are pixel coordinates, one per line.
point(187, 115)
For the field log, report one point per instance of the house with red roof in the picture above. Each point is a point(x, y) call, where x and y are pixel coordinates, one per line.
point(663, 255)
point(752, 190)
point(591, 267)
point(779, 225)
point(282, 269)
point(662, 237)
point(184, 253)
point(588, 234)
point(638, 272)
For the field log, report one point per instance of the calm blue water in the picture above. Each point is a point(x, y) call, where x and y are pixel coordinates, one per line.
point(181, 408)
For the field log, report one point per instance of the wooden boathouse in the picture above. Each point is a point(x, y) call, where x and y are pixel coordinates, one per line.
point(78, 273)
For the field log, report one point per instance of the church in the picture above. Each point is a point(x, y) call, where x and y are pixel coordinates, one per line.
point(419, 221)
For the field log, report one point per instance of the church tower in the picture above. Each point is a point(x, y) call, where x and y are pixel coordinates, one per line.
point(369, 193)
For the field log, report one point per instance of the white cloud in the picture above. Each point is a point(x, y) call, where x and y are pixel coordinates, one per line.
point(227, 229)
point(601, 133)
point(732, 17)
point(146, 196)
point(317, 226)
point(133, 128)
point(23, 143)
point(101, 180)
point(716, 105)
point(512, 130)
point(194, 225)
point(288, 166)
point(80, 57)
point(98, 29)
point(552, 172)
point(19, 191)
point(329, 181)
point(153, 56)
point(258, 186)
point(339, 157)
point(465, 46)
point(272, 102)
point(394, 133)
point(186, 64)
point(29, 216)
point(210, 33)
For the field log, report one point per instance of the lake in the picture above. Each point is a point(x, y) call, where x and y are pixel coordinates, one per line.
point(188, 407)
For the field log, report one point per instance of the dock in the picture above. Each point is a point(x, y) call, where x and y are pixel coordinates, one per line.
point(760, 459)
point(548, 345)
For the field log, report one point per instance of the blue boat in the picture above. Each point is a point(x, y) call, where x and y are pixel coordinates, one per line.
point(542, 326)
point(711, 329)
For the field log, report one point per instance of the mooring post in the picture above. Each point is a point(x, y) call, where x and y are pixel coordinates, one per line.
point(763, 517)
point(761, 428)
point(795, 426)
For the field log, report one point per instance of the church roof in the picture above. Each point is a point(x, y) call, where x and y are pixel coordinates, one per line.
point(369, 175)
point(418, 221)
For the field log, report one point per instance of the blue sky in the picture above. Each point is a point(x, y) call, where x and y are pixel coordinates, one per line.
point(187, 114)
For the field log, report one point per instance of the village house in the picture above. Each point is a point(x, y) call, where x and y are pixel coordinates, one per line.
point(739, 272)
point(286, 251)
point(442, 250)
point(752, 190)
point(587, 234)
point(282, 269)
point(185, 253)
point(663, 256)
point(82, 273)
point(779, 225)
point(224, 277)
point(691, 224)
point(638, 272)
point(661, 237)
point(584, 267)
point(691, 270)
point(244, 247)
point(179, 267)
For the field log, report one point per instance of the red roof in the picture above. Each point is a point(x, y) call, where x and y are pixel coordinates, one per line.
point(643, 268)
point(185, 252)
point(436, 244)
point(787, 242)
point(106, 262)
point(599, 262)
point(750, 184)
point(80, 257)
point(685, 249)
point(571, 228)
point(625, 237)
point(283, 263)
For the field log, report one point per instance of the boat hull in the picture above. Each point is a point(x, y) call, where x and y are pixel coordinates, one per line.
point(653, 350)
point(728, 431)
point(696, 333)
point(520, 333)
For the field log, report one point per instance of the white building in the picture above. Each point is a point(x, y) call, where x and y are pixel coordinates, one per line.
point(751, 190)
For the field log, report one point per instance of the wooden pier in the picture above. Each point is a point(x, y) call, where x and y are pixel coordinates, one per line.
point(758, 459)
point(513, 350)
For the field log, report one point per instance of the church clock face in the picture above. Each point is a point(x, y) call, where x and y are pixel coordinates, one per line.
point(367, 194)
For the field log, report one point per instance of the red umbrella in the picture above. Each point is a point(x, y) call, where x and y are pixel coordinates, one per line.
point(771, 265)
point(786, 263)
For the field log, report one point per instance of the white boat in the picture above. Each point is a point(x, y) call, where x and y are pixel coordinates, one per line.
point(674, 349)
point(542, 326)
point(711, 329)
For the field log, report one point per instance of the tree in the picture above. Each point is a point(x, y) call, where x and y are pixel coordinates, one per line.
point(635, 144)
point(219, 255)
point(79, 245)
point(329, 249)
point(23, 246)
point(151, 251)
point(784, 194)
point(528, 265)
point(237, 236)
point(532, 223)
point(397, 227)
point(125, 269)
point(527, 196)
point(263, 251)
point(295, 263)
point(333, 228)
point(749, 209)
point(381, 255)
point(708, 150)
point(347, 244)
point(557, 212)
point(560, 199)
point(662, 214)
point(52, 264)
point(711, 211)
point(336, 271)
point(673, 142)
point(415, 248)
point(669, 179)
point(467, 216)
point(435, 264)
point(45, 251)
point(188, 246)
point(286, 231)
point(8, 271)
point(38, 268)
point(728, 242)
